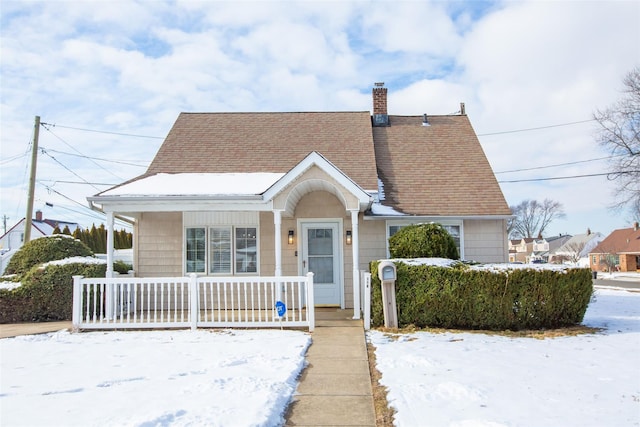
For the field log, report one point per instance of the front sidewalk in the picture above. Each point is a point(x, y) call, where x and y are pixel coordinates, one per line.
point(335, 388)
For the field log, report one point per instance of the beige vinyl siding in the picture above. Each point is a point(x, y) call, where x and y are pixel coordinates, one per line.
point(486, 240)
point(159, 245)
point(373, 243)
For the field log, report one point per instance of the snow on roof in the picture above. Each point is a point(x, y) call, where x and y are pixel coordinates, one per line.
point(198, 184)
point(382, 210)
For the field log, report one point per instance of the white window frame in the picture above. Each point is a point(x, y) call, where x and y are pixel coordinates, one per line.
point(184, 250)
point(207, 229)
point(444, 223)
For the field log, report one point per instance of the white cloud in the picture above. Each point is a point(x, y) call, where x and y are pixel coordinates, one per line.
point(132, 66)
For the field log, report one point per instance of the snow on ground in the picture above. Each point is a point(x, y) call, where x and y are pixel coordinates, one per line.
point(152, 378)
point(475, 379)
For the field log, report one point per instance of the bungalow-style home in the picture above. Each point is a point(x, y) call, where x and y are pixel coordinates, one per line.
point(271, 194)
point(619, 251)
point(576, 249)
point(13, 239)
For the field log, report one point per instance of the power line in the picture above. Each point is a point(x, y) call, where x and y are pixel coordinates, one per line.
point(122, 162)
point(566, 177)
point(58, 162)
point(77, 151)
point(536, 128)
point(559, 164)
point(104, 131)
point(75, 182)
point(93, 214)
point(10, 159)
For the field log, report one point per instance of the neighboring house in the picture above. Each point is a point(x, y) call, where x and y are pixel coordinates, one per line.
point(576, 249)
point(619, 251)
point(520, 250)
point(264, 194)
point(13, 239)
point(543, 247)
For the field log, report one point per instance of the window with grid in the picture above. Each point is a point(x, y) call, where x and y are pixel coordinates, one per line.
point(221, 250)
point(195, 248)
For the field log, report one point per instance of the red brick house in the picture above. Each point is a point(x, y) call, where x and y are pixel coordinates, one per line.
point(619, 251)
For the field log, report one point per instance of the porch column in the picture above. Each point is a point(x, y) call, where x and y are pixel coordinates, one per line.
point(109, 244)
point(355, 246)
point(277, 221)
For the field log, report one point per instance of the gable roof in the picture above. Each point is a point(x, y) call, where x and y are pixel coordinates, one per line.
point(439, 169)
point(580, 244)
point(623, 240)
point(268, 142)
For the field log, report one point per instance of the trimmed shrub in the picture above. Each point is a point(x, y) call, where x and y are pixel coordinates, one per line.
point(122, 267)
point(423, 241)
point(460, 297)
point(46, 293)
point(45, 249)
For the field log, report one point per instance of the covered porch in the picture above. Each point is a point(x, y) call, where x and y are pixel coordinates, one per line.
point(305, 220)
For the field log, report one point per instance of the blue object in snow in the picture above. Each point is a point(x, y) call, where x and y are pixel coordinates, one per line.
point(281, 308)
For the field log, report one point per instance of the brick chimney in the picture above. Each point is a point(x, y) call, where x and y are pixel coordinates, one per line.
point(380, 117)
point(636, 226)
point(39, 216)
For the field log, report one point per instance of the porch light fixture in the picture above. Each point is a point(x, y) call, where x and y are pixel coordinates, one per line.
point(348, 237)
point(290, 239)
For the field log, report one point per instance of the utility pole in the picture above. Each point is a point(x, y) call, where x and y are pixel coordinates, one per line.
point(32, 181)
point(4, 224)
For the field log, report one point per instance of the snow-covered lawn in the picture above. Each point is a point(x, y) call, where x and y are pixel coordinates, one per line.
point(474, 379)
point(159, 378)
point(246, 378)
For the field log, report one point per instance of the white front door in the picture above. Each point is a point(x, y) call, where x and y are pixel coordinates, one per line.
point(321, 256)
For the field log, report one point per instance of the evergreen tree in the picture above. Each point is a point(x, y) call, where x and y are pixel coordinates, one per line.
point(66, 230)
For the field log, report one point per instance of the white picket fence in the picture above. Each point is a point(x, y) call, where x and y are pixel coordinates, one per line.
point(192, 302)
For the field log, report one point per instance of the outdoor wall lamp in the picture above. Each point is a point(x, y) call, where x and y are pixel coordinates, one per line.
point(290, 239)
point(348, 237)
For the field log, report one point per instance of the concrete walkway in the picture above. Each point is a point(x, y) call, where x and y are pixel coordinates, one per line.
point(14, 329)
point(335, 388)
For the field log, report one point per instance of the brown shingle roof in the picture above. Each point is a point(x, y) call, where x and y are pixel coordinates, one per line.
point(623, 240)
point(436, 170)
point(439, 169)
point(268, 142)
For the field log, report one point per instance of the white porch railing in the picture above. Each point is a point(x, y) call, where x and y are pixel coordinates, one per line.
point(182, 302)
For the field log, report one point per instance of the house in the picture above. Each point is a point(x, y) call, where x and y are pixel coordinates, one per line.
point(13, 239)
point(576, 249)
point(264, 194)
point(520, 250)
point(620, 251)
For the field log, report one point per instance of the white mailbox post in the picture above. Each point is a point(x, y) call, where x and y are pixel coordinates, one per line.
point(387, 274)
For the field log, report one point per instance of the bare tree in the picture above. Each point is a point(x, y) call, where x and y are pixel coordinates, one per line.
point(574, 251)
point(620, 135)
point(531, 218)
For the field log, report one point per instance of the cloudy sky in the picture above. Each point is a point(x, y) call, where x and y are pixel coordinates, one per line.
point(110, 77)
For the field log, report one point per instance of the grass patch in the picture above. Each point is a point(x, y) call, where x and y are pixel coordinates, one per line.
point(384, 413)
point(568, 331)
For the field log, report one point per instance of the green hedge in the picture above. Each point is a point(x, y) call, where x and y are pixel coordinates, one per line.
point(45, 249)
point(460, 297)
point(423, 241)
point(46, 293)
